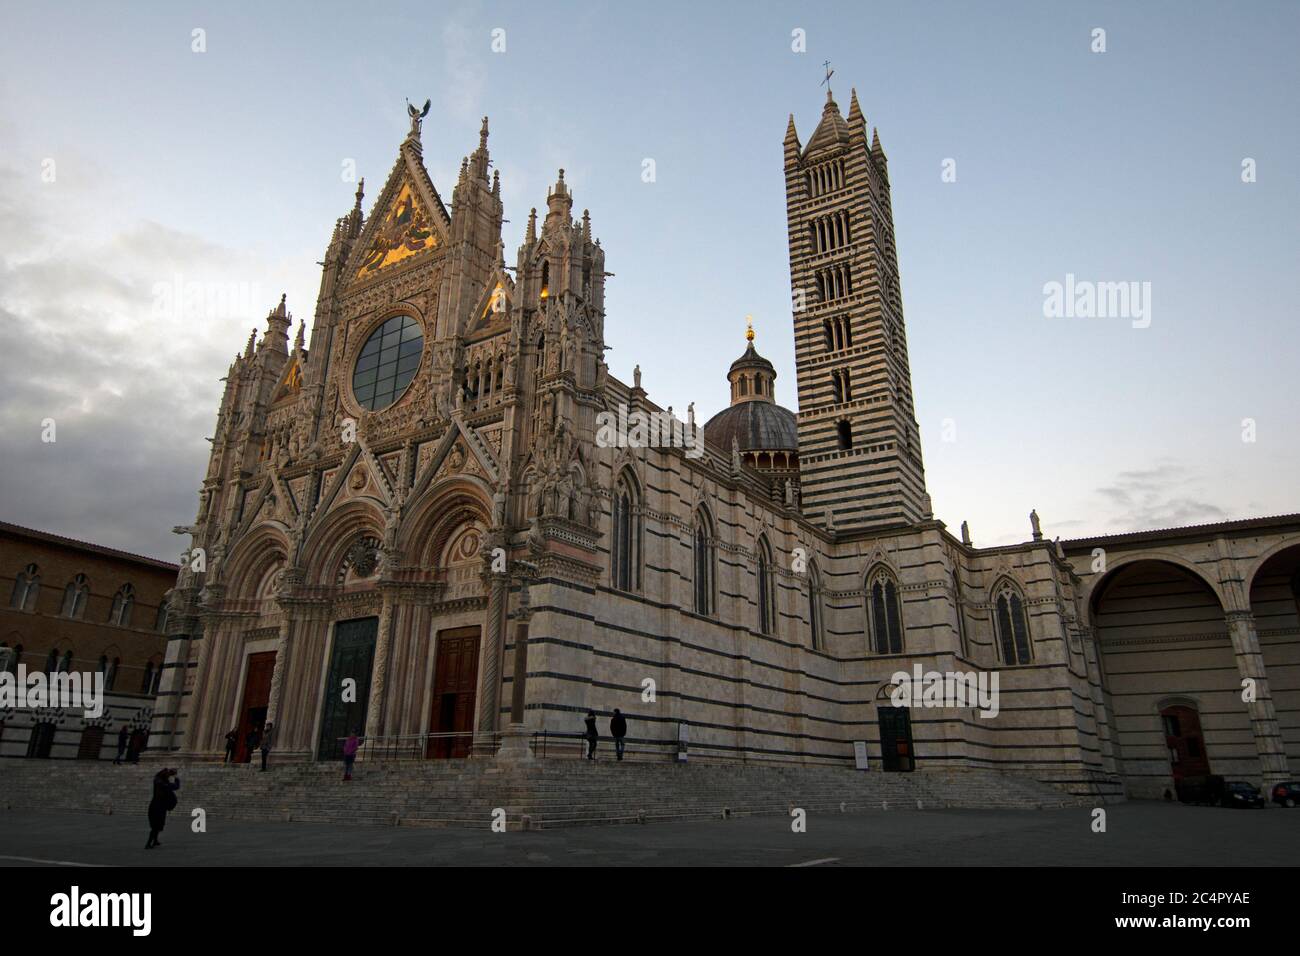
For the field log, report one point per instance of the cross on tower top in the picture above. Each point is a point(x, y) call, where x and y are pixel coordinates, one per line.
point(827, 82)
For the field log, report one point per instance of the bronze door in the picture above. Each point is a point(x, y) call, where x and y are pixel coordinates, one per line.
point(896, 738)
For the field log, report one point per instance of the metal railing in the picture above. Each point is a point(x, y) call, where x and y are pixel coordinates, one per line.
point(545, 744)
point(561, 744)
point(422, 746)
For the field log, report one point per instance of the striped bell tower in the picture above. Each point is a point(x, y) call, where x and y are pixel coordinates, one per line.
point(859, 446)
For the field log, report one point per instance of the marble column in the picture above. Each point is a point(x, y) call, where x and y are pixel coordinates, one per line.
point(1263, 716)
point(379, 671)
point(514, 742)
point(278, 674)
point(490, 676)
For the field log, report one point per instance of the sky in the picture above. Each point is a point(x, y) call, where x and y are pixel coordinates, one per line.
point(139, 156)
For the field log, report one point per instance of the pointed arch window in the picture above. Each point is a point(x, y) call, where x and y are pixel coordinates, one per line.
point(10, 657)
point(74, 597)
point(815, 608)
point(884, 613)
point(123, 604)
point(961, 614)
point(109, 668)
point(152, 675)
point(26, 587)
point(52, 660)
point(625, 552)
point(1012, 625)
point(766, 603)
point(704, 563)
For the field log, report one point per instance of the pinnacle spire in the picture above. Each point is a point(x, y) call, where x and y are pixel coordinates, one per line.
point(855, 111)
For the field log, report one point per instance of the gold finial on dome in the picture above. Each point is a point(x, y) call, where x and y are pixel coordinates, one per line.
point(749, 328)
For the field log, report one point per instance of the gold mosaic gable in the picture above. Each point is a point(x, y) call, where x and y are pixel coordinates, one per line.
point(404, 231)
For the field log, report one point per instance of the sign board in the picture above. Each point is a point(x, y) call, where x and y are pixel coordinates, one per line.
point(860, 754)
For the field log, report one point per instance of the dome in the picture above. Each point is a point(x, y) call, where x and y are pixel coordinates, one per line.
point(756, 426)
point(766, 434)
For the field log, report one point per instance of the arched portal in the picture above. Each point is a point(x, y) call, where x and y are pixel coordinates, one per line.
point(1168, 668)
point(1275, 608)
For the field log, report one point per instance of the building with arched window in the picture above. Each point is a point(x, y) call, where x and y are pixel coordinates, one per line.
point(77, 607)
point(419, 496)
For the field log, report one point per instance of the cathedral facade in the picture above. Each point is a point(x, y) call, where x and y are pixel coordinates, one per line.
point(411, 527)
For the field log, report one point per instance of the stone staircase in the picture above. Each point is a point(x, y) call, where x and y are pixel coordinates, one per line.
point(547, 793)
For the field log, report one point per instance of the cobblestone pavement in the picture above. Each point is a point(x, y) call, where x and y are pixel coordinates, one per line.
point(1137, 834)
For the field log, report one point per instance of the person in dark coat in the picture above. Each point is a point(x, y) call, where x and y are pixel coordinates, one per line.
point(232, 744)
point(252, 742)
point(163, 802)
point(266, 744)
point(591, 735)
point(122, 736)
point(618, 730)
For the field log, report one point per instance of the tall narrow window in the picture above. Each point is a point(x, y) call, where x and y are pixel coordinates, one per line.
point(765, 604)
point(703, 564)
point(961, 614)
point(1012, 626)
point(844, 434)
point(123, 603)
point(27, 585)
point(75, 595)
point(814, 608)
point(625, 557)
point(885, 618)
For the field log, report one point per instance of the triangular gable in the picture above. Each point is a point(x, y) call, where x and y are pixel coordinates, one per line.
point(472, 441)
point(290, 382)
point(407, 220)
point(494, 304)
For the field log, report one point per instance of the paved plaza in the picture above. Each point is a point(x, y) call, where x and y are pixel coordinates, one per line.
point(1137, 834)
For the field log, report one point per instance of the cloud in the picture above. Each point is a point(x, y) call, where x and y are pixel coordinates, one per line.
point(120, 341)
point(1163, 496)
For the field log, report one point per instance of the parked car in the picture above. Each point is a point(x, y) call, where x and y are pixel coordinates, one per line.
point(1238, 793)
point(1214, 791)
point(1287, 794)
point(1206, 790)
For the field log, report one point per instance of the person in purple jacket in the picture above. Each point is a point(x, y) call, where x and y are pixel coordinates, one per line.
point(350, 747)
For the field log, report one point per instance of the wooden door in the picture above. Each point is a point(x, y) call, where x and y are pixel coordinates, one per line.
point(455, 688)
point(257, 695)
point(1187, 757)
point(92, 742)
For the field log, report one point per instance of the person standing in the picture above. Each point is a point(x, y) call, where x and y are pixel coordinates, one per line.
point(251, 743)
point(232, 744)
point(618, 730)
point(122, 737)
point(163, 802)
point(266, 744)
point(591, 735)
point(350, 754)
